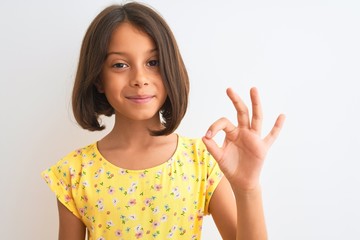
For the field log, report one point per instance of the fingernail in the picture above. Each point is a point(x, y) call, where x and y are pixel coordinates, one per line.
point(208, 134)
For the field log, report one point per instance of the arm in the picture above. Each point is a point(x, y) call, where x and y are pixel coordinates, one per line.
point(70, 227)
point(249, 212)
point(241, 159)
point(222, 209)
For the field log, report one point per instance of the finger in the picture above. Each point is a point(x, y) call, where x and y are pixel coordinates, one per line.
point(271, 137)
point(222, 124)
point(213, 148)
point(257, 115)
point(241, 109)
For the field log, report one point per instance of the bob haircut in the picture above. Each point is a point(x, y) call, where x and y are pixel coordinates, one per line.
point(89, 104)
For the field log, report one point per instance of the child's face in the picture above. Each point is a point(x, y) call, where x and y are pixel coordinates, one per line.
point(130, 77)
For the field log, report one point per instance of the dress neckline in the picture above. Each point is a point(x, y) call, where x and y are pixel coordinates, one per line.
point(153, 168)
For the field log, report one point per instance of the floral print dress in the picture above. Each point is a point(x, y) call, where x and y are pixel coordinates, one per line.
point(167, 201)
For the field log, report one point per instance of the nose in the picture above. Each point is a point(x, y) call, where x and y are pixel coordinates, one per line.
point(139, 78)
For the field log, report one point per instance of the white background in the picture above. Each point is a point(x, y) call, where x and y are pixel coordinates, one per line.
point(304, 56)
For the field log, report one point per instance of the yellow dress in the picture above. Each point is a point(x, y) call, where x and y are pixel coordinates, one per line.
point(167, 201)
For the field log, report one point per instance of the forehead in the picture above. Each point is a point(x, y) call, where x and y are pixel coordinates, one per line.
point(129, 38)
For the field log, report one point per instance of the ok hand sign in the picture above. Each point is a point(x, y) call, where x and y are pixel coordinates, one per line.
point(243, 152)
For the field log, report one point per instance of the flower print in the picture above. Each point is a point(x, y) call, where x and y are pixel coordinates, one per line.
point(184, 177)
point(131, 190)
point(200, 216)
point(164, 218)
point(138, 228)
point(85, 183)
point(98, 172)
point(91, 163)
point(109, 224)
point(111, 190)
point(155, 234)
point(147, 202)
point(155, 210)
point(132, 217)
point(62, 183)
point(139, 235)
point(82, 211)
point(142, 175)
point(158, 187)
point(155, 224)
point(184, 210)
point(175, 192)
point(139, 231)
point(123, 219)
point(67, 198)
point(85, 198)
point(132, 202)
point(182, 231)
point(100, 204)
point(109, 174)
point(115, 201)
point(191, 218)
point(118, 233)
point(211, 181)
point(48, 179)
point(101, 238)
point(180, 163)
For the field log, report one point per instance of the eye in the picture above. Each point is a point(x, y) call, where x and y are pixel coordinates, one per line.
point(153, 63)
point(120, 65)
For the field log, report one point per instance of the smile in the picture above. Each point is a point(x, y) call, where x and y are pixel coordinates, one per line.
point(140, 99)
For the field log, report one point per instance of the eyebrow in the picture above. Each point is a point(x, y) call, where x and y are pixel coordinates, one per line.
point(124, 53)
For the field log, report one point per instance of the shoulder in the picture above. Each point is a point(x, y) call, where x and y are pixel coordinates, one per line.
point(191, 143)
point(70, 166)
point(80, 156)
point(195, 148)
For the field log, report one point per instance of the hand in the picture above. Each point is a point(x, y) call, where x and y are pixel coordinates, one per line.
point(243, 152)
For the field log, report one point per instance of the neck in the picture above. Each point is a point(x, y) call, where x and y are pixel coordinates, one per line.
point(126, 133)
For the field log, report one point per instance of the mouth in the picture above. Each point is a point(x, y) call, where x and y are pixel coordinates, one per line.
point(140, 98)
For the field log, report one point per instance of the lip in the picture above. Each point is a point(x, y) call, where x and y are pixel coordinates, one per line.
point(140, 98)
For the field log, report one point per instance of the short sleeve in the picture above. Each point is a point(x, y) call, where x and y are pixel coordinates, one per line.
point(214, 176)
point(62, 178)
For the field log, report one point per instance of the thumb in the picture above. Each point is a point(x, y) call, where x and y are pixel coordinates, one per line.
point(213, 148)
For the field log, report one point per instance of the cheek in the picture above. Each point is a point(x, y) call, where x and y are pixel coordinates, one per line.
point(112, 83)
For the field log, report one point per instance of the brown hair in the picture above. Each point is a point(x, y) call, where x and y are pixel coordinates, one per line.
point(88, 103)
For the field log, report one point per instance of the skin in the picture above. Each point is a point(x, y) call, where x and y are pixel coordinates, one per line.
point(241, 158)
point(132, 83)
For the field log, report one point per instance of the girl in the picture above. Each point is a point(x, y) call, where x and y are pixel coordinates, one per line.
point(142, 180)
